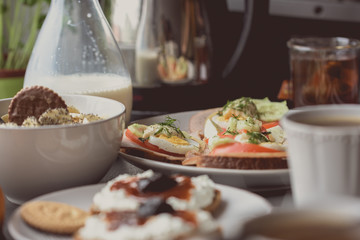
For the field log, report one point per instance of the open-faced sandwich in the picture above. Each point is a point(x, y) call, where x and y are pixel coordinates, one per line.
point(153, 206)
point(127, 192)
point(147, 205)
point(154, 220)
point(163, 141)
point(244, 134)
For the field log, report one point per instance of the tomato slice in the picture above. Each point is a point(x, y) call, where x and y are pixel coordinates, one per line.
point(240, 147)
point(146, 144)
point(223, 134)
point(270, 124)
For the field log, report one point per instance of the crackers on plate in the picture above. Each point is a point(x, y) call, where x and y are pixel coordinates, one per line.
point(53, 217)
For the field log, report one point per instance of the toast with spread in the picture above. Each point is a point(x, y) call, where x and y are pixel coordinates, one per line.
point(243, 134)
point(147, 205)
point(127, 192)
point(153, 206)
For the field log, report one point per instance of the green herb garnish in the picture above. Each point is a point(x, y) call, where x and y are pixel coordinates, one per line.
point(143, 139)
point(250, 121)
point(221, 112)
point(247, 106)
point(257, 137)
point(169, 122)
point(244, 104)
point(237, 117)
point(228, 132)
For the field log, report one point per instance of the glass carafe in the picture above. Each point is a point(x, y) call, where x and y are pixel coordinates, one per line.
point(77, 53)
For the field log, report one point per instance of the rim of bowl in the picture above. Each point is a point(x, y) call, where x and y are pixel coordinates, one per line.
point(47, 127)
point(289, 119)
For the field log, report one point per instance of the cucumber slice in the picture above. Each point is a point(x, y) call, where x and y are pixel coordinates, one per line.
point(270, 111)
point(216, 141)
point(137, 129)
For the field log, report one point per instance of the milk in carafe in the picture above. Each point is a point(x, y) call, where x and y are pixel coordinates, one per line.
point(146, 68)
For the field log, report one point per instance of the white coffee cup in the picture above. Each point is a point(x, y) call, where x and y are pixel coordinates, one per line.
point(323, 151)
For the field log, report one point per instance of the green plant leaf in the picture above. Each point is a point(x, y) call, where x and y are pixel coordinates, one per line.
point(20, 22)
point(41, 20)
point(4, 8)
point(29, 2)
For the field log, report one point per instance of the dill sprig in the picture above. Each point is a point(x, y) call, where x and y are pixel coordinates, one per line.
point(169, 122)
point(143, 139)
point(228, 132)
point(221, 112)
point(258, 137)
point(244, 104)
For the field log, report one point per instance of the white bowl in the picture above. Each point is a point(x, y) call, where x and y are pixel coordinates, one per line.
point(39, 160)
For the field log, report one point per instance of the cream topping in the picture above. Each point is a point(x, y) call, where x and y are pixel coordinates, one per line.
point(162, 226)
point(202, 195)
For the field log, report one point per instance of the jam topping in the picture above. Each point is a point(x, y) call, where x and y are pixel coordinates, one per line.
point(152, 207)
point(158, 186)
point(156, 183)
point(186, 216)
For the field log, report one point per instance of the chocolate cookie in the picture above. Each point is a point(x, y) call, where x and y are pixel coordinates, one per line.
point(33, 101)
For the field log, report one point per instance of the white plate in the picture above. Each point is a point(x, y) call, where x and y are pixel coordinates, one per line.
point(237, 206)
point(254, 180)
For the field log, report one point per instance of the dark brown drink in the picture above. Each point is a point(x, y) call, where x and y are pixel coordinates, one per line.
point(324, 70)
point(317, 81)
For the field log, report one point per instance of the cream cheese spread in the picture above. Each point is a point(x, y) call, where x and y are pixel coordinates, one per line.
point(202, 195)
point(163, 226)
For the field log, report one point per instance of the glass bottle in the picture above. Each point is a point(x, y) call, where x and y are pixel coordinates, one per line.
point(124, 21)
point(76, 53)
point(172, 44)
point(147, 47)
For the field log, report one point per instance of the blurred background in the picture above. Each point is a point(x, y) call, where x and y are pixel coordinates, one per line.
point(248, 53)
point(229, 48)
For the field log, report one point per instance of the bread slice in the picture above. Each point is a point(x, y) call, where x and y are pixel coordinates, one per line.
point(276, 160)
point(152, 155)
point(197, 121)
point(247, 160)
point(215, 203)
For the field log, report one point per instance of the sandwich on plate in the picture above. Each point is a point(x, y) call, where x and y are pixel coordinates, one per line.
point(154, 206)
point(162, 141)
point(243, 134)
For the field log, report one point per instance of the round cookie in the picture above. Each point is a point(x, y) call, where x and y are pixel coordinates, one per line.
point(53, 217)
point(33, 101)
